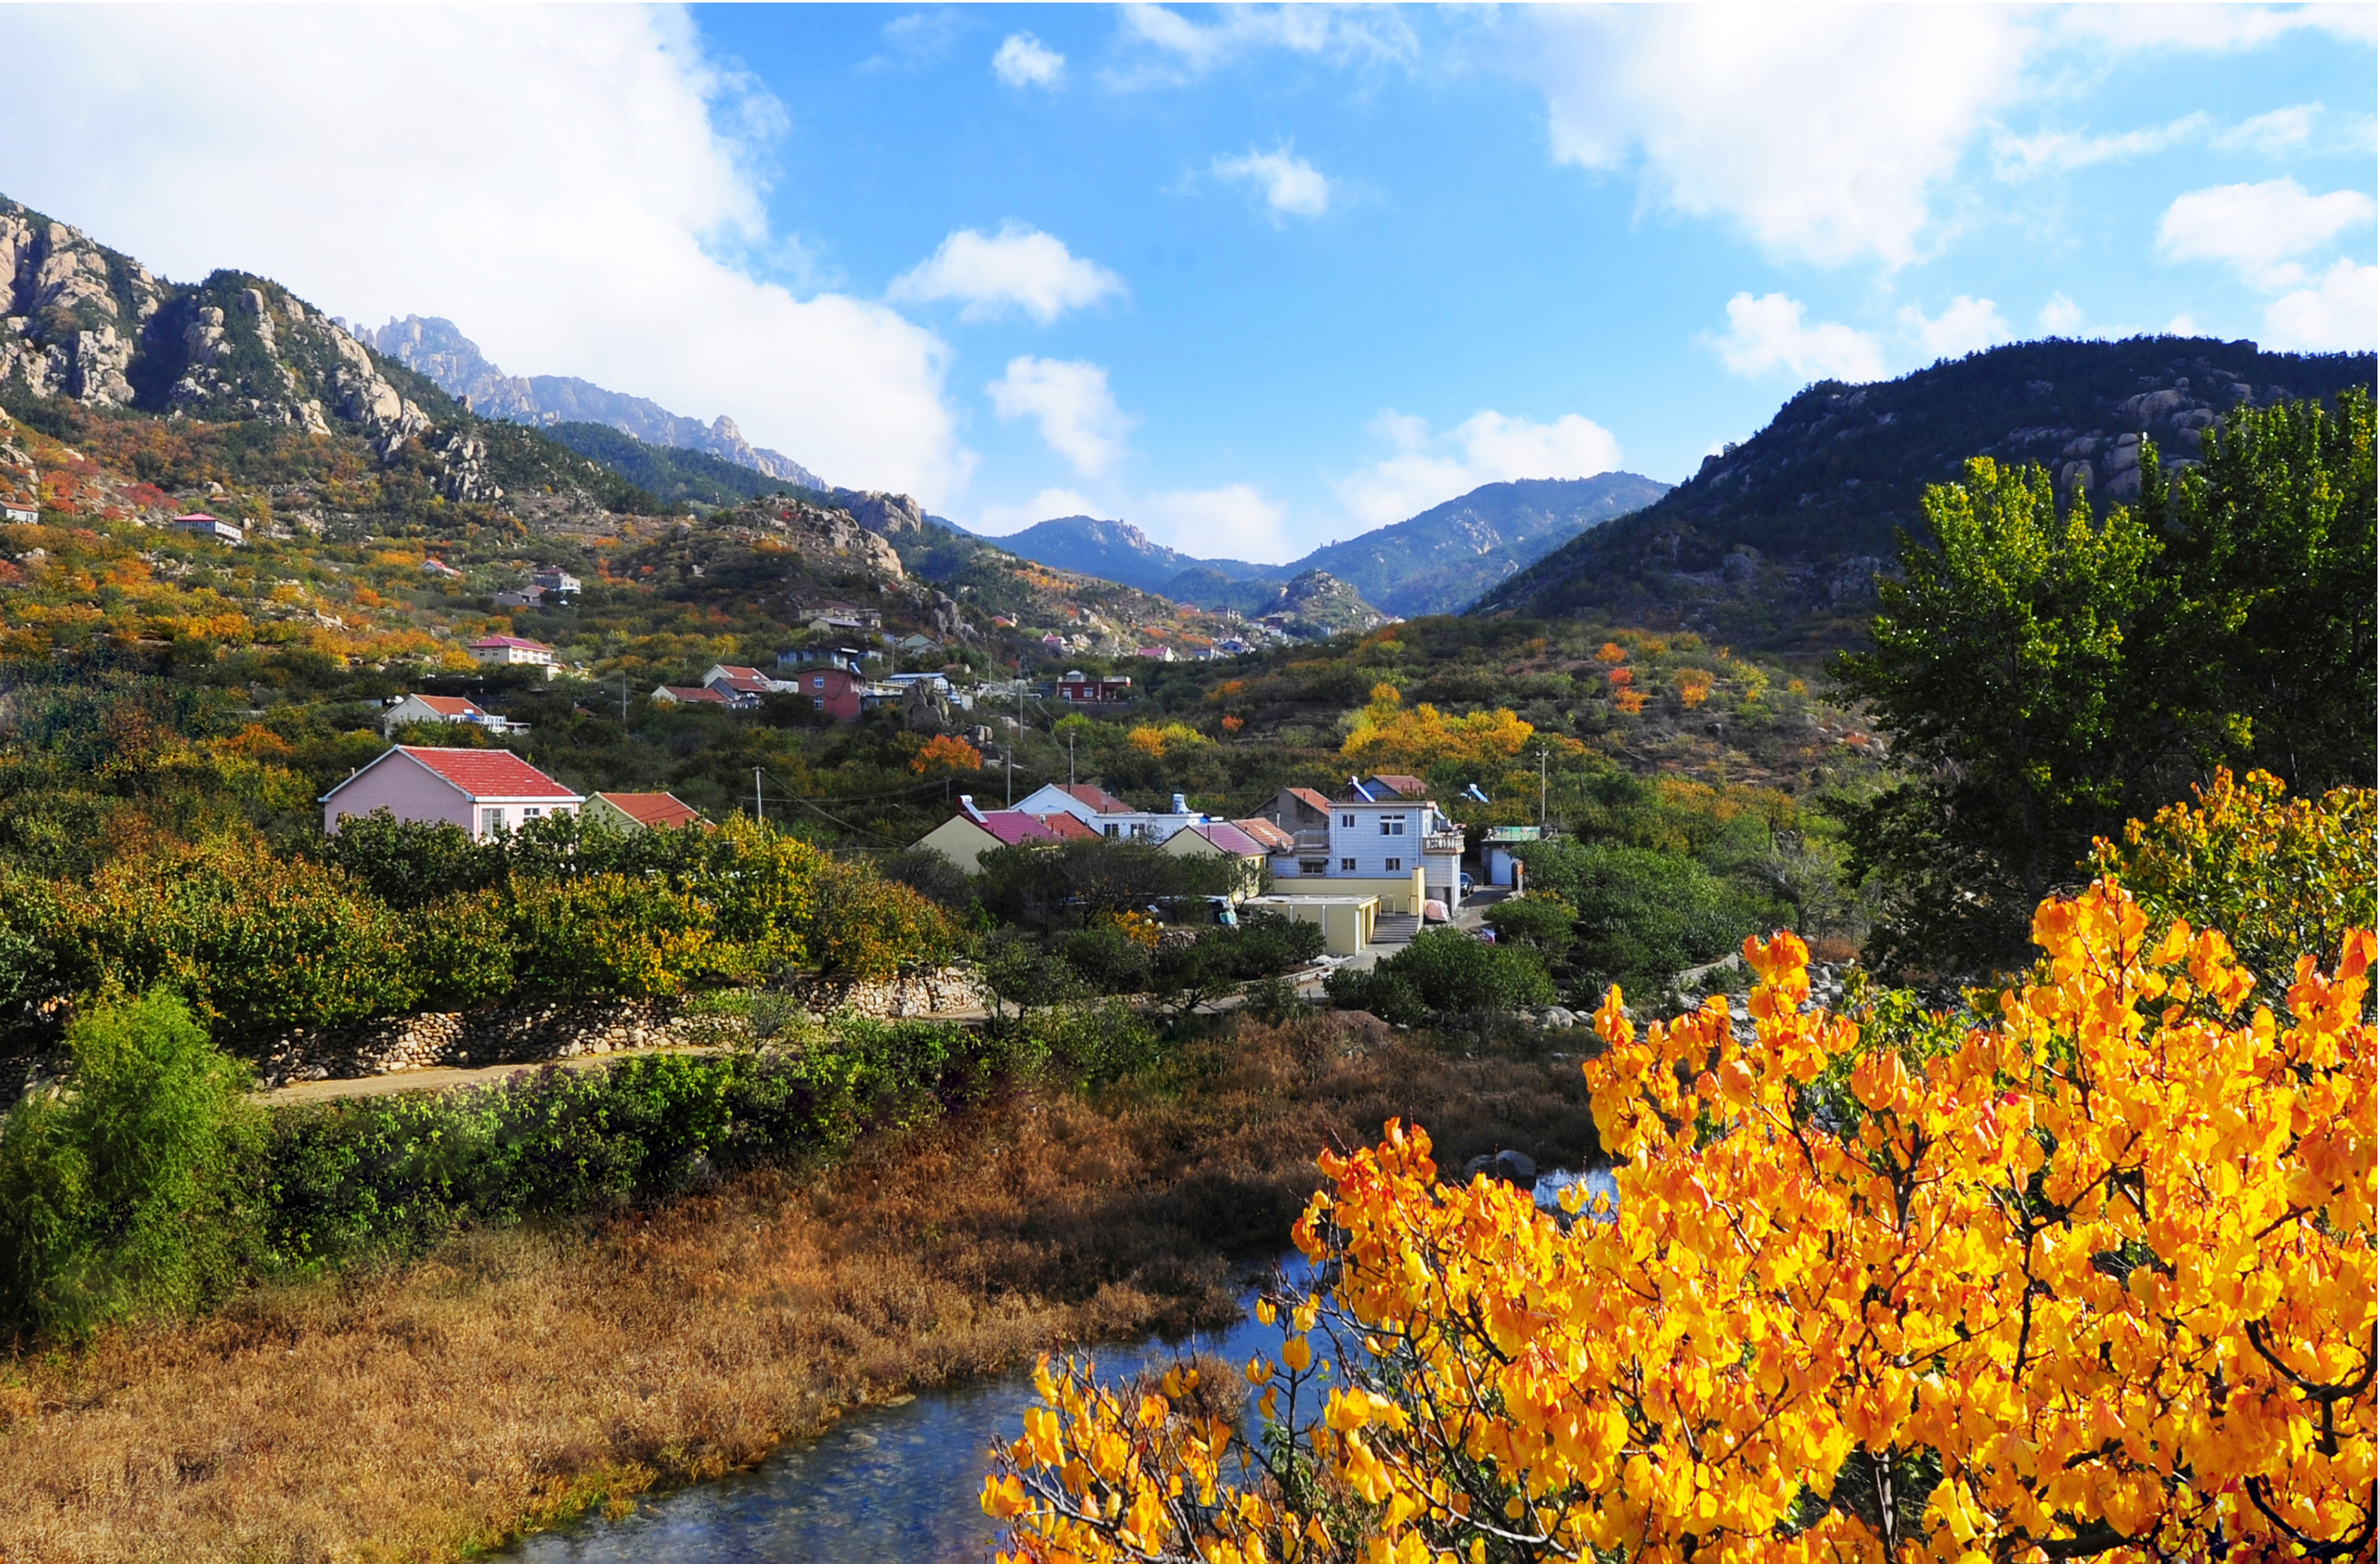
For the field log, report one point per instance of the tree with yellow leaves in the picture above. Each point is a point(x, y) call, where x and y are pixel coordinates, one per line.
point(1387, 735)
point(2091, 1275)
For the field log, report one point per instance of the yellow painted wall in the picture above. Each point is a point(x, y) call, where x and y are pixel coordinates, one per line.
point(961, 841)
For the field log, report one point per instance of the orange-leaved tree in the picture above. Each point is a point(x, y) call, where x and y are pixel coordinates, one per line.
point(2089, 1275)
point(946, 752)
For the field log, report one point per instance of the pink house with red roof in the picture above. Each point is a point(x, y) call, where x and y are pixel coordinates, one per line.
point(483, 791)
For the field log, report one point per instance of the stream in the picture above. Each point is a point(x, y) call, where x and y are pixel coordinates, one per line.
point(898, 1482)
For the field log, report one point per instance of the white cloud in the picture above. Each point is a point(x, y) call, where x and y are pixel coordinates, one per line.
point(2273, 132)
point(1071, 401)
point(592, 247)
point(1290, 184)
point(1234, 521)
point(1488, 447)
point(1962, 327)
point(2257, 229)
point(1767, 335)
point(2060, 317)
point(2340, 314)
point(2016, 157)
point(998, 520)
point(2215, 27)
point(1167, 48)
point(1025, 61)
point(1713, 108)
point(1018, 268)
point(2182, 325)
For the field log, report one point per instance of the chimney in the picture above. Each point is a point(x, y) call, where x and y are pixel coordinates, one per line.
point(966, 802)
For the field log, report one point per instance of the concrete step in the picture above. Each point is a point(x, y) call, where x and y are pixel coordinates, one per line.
point(1395, 928)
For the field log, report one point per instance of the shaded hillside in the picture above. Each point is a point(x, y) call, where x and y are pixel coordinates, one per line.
point(1776, 540)
point(1434, 563)
point(672, 475)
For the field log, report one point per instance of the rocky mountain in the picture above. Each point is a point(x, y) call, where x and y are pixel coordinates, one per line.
point(1776, 540)
point(1434, 563)
point(1315, 604)
point(83, 321)
point(437, 349)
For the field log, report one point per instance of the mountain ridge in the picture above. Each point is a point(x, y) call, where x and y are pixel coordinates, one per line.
point(436, 347)
point(1434, 561)
point(1776, 540)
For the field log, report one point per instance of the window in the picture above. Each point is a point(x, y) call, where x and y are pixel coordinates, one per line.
point(818, 683)
point(1115, 829)
point(491, 819)
point(1347, 866)
point(1347, 821)
point(532, 812)
point(1396, 865)
point(1313, 866)
point(1392, 825)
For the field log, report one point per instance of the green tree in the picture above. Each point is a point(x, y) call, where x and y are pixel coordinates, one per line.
point(1451, 971)
point(1539, 919)
point(122, 1198)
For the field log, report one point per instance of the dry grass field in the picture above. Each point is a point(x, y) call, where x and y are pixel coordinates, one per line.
point(513, 1376)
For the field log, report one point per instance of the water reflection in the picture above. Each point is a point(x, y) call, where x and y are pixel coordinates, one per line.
point(892, 1482)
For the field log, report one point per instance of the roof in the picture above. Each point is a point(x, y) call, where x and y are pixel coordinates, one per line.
point(734, 670)
point(447, 704)
point(690, 692)
point(494, 641)
point(744, 681)
point(1269, 836)
point(661, 812)
point(1101, 801)
point(194, 515)
point(1409, 787)
point(1015, 827)
point(1230, 838)
point(1310, 799)
point(476, 773)
point(1062, 825)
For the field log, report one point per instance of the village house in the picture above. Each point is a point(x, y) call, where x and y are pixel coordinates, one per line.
point(444, 708)
point(19, 512)
point(842, 693)
point(1376, 840)
point(742, 686)
point(556, 580)
point(1224, 838)
point(689, 694)
point(966, 836)
point(633, 812)
point(483, 791)
point(438, 568)
point(198, 524)
point(1078, 688)
point(512, 651)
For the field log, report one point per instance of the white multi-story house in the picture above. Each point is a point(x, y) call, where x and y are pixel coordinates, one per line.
point(1400, 845)
point(508, 650)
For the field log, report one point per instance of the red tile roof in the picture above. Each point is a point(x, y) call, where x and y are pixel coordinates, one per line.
point(450, 706)
point(1403, 786)
point(1099, 799)
point(1310, 799)
point(492, 641)
point(1268, 834)
point(1015, 827)
point(694, 692)
point(661, 812)
point(487, 773)
point(1230, 838)
point(1062, 825)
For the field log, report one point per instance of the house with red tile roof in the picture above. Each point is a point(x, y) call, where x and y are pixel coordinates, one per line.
point(445, 708)
point(1224, 838)
point(483, 791)
point(742, 686)
point(1085, 800)
point(633, 812)
point(689, 694)
point(510, 650)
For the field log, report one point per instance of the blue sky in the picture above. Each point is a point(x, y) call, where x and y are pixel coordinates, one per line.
point(1252, 279)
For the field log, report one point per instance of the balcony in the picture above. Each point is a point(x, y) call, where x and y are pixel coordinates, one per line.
point(1313, 843)
point(1442, 842)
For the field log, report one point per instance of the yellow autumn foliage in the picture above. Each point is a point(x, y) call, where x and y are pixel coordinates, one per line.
point(1388, 735)
point(2090, 1276)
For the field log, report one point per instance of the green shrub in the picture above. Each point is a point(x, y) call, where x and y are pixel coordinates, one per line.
point(461, 950)
point(124, 1198)
point(1385, 994)
point(256, 944)
point(1539, 918)
point(1273, 1001)
point(1108, 960)
point(606, 935)
point(1450, 971)
point(1644, 915)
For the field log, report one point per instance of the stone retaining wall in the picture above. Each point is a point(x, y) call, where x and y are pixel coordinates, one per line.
point(951, 988)
point(522, 1033)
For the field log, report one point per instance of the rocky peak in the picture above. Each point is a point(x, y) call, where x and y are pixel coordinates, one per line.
point(887, 516)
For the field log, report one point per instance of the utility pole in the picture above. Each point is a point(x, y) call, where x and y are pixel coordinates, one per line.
point(1541, 789)
point(624, 698)
point(756, 815)
point(1017, 737)
point(1070, 757)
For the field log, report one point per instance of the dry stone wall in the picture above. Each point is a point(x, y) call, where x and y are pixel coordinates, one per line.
point(528, 1034)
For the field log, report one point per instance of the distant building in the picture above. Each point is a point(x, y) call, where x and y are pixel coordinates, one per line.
point(841, 693)
point(966, 836)
point(1224, 838)
point(633, 812)
point(528, 596)
point(198, 524)
point(25, 514)
point(917, 645)
point(839, 616)
point(555, 579)
point(742, 686)
point(444, 708)
point(1078, 688)
point(438, 568)
point(483, 791)
point(513, 651)
point(807, 656)
point(689, 695)
point(1376, 841)
point(1087, 802)
point(1155, 654)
